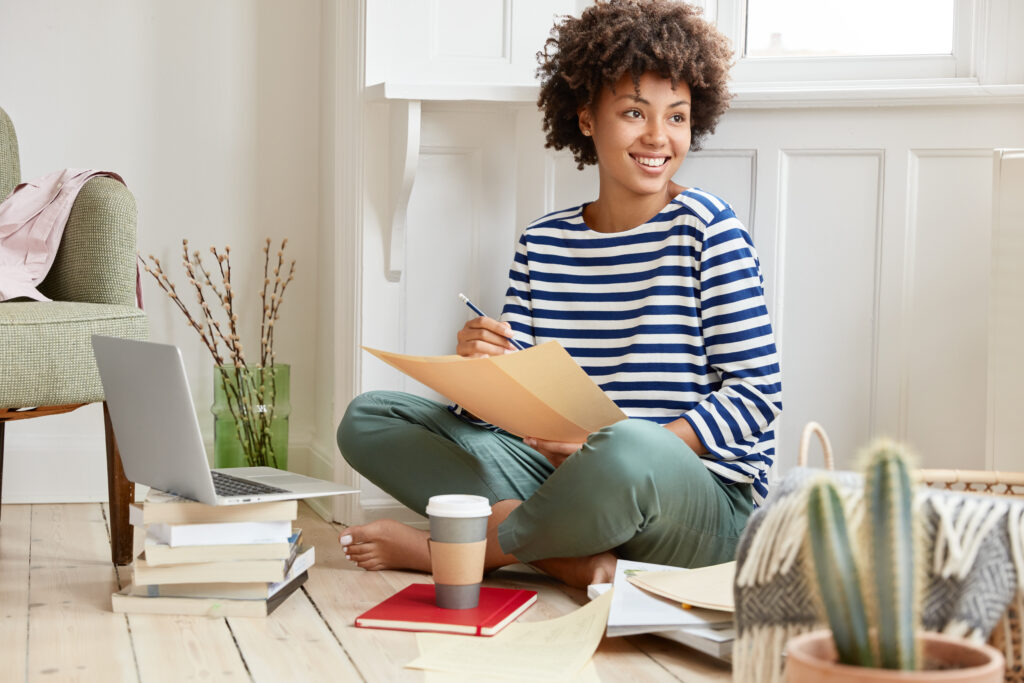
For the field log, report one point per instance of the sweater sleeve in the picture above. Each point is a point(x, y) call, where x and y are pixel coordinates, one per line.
point(735, 421)
point(518, 308)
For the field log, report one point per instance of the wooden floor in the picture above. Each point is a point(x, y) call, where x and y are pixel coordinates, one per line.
point(56, 624)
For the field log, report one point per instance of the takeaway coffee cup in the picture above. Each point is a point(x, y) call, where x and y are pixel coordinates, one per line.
point(458, 537)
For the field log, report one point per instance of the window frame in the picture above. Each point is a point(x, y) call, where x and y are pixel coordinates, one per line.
point(962, 65)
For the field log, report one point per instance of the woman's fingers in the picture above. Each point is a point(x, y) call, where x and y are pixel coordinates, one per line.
point(484, 337)
point(555, 451)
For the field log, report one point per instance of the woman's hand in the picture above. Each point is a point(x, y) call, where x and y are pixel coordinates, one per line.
point(484, 337)
point(555, 451)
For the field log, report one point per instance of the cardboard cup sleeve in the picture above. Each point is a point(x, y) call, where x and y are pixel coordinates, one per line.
point(457, 564)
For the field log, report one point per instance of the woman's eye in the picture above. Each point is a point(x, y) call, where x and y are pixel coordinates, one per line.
point(678, 118)
point(633, 113)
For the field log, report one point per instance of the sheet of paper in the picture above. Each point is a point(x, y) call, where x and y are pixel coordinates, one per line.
point(552, 650)
point(707, 587)
point(636, 611)
point(540, 392)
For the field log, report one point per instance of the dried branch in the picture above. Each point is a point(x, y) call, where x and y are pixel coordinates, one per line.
point(251, 392)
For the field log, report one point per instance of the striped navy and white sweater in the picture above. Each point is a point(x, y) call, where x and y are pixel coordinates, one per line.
point(668, 318)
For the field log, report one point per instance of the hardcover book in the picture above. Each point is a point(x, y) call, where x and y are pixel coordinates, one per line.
point(220, 533)
point(158, 554)
point(413, 609)
point(236, 571)
point(127, 602)
point(162, 507)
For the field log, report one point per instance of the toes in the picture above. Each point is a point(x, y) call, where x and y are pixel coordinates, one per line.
point(354, 534)
point(361, 551)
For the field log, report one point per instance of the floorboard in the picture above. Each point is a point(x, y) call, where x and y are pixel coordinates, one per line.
point(15, 527)
point(73, 634)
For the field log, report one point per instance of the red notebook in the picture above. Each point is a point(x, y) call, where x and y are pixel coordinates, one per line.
point(413, 609)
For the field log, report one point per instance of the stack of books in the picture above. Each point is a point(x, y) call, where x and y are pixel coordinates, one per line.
point(634, 610)
point(213, 560)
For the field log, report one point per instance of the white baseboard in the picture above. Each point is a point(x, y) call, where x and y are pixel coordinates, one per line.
point(395, 511)
point(309, 461)
point(54, 468)
point(71, 469)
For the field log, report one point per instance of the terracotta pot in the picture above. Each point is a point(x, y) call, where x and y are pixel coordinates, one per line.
point(811, 658)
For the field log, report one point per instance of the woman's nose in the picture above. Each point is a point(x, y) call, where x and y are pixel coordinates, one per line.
point(654, 133)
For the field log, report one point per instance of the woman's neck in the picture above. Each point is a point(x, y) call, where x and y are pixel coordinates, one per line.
point(615, 214)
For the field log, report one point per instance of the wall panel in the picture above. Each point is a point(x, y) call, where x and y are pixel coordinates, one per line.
point(442, 239)
point(946, 305)
point(828, 231)
point(488, 41)
point(1006, 371)
point(728, 173)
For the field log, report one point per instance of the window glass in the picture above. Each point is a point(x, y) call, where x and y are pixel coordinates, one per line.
point(836, 28)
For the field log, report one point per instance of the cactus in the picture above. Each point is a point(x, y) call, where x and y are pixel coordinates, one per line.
point(837, 574)
point(882, 628)
point(889, 531)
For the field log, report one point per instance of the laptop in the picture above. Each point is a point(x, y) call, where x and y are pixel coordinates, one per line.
point(158, 434)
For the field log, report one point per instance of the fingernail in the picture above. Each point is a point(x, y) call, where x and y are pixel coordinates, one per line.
point(347, 557)
point(346, 539)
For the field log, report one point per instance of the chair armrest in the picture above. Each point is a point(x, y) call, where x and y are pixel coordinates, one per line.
point(96, 259)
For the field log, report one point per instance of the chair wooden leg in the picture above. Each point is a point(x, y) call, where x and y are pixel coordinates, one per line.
point(121, 493)
point(2, 461)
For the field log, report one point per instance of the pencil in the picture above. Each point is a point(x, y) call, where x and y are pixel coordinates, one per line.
point(476, 310)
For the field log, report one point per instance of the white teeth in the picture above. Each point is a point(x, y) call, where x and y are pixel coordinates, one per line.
point(654, 162)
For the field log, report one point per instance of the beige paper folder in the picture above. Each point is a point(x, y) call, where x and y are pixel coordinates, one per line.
point(540, 392)
point(707, 587)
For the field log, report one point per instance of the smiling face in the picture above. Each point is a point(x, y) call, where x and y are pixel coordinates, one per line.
point(641, 137)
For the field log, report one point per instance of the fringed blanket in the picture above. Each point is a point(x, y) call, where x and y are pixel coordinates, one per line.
point(974, 566)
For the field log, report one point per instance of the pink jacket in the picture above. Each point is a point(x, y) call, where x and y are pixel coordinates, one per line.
point(32, 222)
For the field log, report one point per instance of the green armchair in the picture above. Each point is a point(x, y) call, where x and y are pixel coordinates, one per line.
point(46, 360)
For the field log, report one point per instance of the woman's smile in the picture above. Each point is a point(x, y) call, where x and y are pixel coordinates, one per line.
point(650, 164)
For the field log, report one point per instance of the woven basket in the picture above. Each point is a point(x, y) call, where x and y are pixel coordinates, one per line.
point(1007, 635)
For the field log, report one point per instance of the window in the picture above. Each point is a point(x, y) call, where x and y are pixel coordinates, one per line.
point(840, 28)
point(839, 40)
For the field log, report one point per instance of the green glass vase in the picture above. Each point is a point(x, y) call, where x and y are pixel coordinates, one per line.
point(250, 408)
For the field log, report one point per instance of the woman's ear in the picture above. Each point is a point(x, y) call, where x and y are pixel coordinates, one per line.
point(586, 121)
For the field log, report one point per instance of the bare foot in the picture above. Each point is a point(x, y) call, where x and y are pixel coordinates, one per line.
point(580, 572)
point(387, 544)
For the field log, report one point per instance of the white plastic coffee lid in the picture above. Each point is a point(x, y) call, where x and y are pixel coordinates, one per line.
point(458, 505)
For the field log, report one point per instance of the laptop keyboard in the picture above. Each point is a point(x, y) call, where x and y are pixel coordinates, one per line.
point(226, 485)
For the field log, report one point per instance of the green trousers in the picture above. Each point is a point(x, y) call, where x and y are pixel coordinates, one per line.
point(634, 488)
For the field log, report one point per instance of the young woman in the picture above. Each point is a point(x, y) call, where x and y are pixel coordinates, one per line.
point(654, 289)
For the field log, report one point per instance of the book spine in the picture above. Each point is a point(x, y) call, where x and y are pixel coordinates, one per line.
point(158, 554)
point(227, 572)
point(227, 533)
point(303, 561)
point(195, 513)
